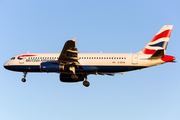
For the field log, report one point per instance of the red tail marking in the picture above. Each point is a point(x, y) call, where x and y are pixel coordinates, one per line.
point(164, 34)
point(148, 51)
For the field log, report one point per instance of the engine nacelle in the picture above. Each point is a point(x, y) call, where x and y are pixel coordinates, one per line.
point(67, 78)
point(50, 67)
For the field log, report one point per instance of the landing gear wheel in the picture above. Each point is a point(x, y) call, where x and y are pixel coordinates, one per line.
point(86, 83)
point(74, 77)
point(23, 80)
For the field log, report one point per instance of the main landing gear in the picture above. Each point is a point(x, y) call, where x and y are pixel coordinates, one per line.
point(24, 79)
point(86, 83)
point(75, 77)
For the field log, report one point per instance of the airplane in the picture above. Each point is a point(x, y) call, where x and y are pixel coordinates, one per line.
point(74, 66)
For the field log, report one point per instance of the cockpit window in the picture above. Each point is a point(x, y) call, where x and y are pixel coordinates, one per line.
point(12, 58)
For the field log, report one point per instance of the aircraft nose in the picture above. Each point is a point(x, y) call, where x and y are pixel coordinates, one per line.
point(6, 65)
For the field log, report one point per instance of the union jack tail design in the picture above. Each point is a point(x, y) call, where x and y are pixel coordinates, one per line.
point(159, 41)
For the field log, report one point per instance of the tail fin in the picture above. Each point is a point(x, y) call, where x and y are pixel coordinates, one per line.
point(159, 41)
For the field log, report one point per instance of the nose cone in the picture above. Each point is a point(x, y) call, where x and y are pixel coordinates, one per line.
point(6, 65)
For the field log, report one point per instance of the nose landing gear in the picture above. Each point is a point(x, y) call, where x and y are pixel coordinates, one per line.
point(24, 79)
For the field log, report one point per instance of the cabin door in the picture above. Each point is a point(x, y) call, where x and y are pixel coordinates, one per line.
point(134, 58)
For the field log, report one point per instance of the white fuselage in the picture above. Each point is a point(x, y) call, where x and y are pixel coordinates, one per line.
point(105, 62)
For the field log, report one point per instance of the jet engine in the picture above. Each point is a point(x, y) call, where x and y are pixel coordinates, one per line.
point(68, 78)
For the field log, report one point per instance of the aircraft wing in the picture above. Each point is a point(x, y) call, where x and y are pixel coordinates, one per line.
point(69, 54)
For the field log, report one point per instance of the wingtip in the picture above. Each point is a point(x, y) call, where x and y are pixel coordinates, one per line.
point(74, 40)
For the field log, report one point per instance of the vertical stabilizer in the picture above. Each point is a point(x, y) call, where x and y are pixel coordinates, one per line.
point(159, 41)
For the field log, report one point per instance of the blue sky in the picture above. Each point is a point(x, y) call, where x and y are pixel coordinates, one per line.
point(110, 26)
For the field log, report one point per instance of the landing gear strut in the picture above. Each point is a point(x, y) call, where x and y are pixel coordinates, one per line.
point(86, 83)
point(24, 79)
point(74, 76)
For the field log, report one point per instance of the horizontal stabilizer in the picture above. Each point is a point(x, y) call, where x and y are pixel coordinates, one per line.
point(173, 61)
point(158, 54)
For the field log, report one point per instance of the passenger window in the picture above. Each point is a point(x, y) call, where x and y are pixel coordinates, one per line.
point(114, 57)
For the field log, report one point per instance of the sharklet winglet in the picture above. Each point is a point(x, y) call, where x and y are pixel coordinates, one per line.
point(74, 39)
